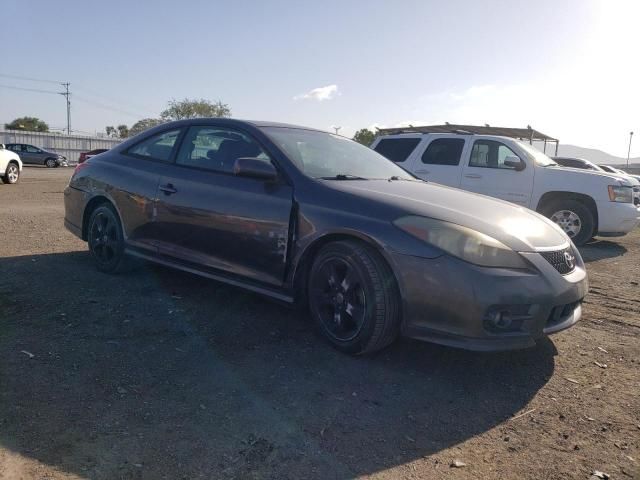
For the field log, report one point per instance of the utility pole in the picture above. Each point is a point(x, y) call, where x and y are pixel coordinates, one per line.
point(337, 129)
point(67, 95)
point(629, 151)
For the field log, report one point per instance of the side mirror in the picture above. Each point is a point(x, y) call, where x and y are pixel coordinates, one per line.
point(1, 146)
point(515, 163)
point(254, 168)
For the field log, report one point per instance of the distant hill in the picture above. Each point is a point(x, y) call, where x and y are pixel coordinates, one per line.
point(591, 154)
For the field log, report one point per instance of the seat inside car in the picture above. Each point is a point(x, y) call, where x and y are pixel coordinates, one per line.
point(231, 150)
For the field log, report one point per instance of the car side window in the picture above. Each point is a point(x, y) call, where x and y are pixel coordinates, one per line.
point(397, 149)
point(217, 149)
point(31, 149)
point(444, 151)
point(490, 154)
point(156, 147)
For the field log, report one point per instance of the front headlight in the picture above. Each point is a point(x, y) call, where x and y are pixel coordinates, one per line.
point(618, 193)
point(461, 242)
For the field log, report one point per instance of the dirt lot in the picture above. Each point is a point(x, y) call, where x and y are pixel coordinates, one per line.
point(160, 374)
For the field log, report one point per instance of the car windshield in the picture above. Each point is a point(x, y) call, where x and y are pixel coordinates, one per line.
point(538, 157)
point(328, 156)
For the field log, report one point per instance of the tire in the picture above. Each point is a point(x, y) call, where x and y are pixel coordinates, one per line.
point(574, 217)
point(353, 297)
point(50, 163)
point(106, 240)
point(11, 174)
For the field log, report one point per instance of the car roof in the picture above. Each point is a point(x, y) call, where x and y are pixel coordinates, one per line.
point(235, 121)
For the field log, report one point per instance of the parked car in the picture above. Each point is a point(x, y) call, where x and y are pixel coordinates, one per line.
point(584, 203)
point(610, 169)
point(306, 216)
point(32, 155)
point(84, 156)
point(573, 162)
point(10, 165)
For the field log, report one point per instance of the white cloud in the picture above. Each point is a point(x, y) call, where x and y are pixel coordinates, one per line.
point(320, 94)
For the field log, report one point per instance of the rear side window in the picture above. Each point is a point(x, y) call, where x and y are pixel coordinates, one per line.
point(397, 149)
point(444, 151)
point(157, 147)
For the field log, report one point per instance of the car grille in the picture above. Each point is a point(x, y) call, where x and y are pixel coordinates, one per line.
point(558, 259)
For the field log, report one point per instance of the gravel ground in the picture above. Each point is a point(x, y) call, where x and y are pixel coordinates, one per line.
point(161, 374)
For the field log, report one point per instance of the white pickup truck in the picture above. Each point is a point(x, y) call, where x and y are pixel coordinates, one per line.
point(584, 203)
point(10, 165)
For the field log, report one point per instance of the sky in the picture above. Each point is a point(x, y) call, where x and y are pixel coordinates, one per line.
point(570, 68)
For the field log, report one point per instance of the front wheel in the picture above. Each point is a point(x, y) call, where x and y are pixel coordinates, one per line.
point(353, 297)
point(106, 240)
point(11, 174)
point(50, 163)
point(574, 218)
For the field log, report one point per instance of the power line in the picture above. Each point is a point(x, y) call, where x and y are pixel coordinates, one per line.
point(110, 107)
point(12, 87)
point(112, 100)
point(16, 77)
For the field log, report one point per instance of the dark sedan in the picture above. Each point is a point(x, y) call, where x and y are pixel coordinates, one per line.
point(32, 155)
point(313, 218)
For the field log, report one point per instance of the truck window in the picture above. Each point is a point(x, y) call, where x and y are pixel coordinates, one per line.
point(490, 154)
point(397, 149)
point(444, 151)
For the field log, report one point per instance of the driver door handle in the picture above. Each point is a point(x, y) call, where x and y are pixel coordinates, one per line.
point(423, 172)
point(473, 175)
point(168, 189)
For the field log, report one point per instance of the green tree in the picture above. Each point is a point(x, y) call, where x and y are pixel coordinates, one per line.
point(31, 124)
point(111, 131)
point(178, 110)
point(364, 136)
point(142, 125)
point(123, 131)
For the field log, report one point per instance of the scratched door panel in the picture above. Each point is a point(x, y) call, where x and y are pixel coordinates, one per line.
point(218, 220)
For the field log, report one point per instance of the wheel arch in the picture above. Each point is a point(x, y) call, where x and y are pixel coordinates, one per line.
point(550, 197)
point(302, 267)
point(92, 204)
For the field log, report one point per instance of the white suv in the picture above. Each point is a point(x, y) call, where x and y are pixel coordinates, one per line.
point(584, 203)
point(10, 165)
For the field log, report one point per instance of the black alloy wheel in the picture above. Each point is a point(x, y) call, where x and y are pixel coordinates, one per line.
point(105, 238)
point(353, 297)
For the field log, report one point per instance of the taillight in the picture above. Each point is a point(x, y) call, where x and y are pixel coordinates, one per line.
point(79, 167)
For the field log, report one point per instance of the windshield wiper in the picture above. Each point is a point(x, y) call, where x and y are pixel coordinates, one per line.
point(343, 176)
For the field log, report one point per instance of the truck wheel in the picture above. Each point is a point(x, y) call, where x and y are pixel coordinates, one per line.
point(574, 218)
point(11, 174)
point(353, 297)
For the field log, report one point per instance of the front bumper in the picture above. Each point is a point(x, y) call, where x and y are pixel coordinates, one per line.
point(616, 219)
point(451, 302)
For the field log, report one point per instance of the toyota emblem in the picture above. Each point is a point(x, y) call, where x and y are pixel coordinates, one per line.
point(569, 260)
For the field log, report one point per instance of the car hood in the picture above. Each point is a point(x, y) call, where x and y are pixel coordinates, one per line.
point(622, 179)
point(519, 228)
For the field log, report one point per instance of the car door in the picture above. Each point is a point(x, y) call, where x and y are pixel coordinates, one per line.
point(20, 150)
point(486, 172)
point(438, 159)
point(207, 216)
point(133, 182)
point(33, 154)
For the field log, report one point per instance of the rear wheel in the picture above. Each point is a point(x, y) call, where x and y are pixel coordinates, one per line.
point(106, 241)
point(353, 297)
point(50, 163)
point(574, 217)
point(11, 174)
